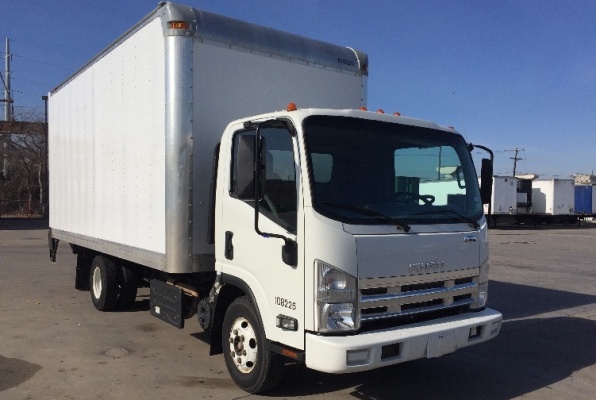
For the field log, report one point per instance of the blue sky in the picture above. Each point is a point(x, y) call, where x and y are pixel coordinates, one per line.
point(506, 74)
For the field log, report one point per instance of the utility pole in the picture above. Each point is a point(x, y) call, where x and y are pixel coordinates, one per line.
point(8, 106)
point(515, 158)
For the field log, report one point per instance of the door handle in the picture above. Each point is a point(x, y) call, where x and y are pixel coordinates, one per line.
point(229, 249)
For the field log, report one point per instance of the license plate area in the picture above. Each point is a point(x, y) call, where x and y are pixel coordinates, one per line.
point(439, 345)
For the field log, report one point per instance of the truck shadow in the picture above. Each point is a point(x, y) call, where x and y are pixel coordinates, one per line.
point(532, 352)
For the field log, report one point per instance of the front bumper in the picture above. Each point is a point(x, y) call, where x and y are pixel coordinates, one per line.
point(341, 354)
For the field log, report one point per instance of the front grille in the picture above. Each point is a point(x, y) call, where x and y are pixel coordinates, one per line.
point(386, 302)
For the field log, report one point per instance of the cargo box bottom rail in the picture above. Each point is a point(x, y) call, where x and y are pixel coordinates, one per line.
point(535, 220)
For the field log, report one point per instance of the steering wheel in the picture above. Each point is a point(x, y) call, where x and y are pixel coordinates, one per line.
point(270, 206)
point(427, 199)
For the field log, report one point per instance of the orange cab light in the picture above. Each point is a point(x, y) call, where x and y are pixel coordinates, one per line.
point(380, 111)
point(178, 25)
point(289, 353)
point(363, 108)
point(397, 114)
point(292, 107)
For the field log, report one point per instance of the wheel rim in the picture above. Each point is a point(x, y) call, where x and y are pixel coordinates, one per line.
point(243, 345)
point(97, 286)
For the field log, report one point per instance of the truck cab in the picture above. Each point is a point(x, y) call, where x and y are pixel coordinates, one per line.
point(358, 238)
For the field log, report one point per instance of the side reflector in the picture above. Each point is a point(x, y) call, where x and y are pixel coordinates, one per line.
point(290, 353)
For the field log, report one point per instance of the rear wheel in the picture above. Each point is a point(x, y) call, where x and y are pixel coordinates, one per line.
point(128, 288)
point(104, 283)
point(251, 365)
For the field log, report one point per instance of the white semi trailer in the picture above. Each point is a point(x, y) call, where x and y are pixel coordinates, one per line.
point(321, 233)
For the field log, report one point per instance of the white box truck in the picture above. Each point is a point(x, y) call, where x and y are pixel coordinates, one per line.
point(504, 197)
point(320, 233)
point(553, 196)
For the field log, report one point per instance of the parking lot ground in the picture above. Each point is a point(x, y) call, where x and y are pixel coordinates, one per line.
point(55, 345)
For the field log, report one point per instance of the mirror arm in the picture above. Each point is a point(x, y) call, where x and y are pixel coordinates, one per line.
point(290, 249)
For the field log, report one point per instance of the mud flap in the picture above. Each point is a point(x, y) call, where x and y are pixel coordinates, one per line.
point(166, 303)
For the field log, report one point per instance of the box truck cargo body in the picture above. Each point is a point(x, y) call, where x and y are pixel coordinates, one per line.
point(313, 231)
point(584, 199)
point(110, 129)
point(504, 197)
point(553, 196)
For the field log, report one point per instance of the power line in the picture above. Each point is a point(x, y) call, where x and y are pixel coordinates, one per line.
point(26, 58)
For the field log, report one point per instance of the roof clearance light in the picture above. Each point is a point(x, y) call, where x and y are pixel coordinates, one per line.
point(363, 108)
point(397, 114)
point(380, 111)
point(292, 107)
point(182, 25)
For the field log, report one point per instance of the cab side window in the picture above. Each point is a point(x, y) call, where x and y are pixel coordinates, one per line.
point(279, 202)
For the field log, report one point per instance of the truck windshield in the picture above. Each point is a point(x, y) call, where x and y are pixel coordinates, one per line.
point(373, 172)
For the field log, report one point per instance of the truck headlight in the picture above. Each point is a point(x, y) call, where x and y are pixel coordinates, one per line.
point(482, 295)
point(337, 300)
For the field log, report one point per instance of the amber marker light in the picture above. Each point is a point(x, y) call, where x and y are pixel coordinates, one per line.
point(179, 25)
point(292, 107)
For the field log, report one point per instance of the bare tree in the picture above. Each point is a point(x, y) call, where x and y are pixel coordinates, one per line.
point(26, 178)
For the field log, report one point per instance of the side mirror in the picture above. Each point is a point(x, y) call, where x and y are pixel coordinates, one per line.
point(486, 181)
point(249, 163)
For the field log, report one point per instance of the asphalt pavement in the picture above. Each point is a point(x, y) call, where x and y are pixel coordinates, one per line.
point(55, 345)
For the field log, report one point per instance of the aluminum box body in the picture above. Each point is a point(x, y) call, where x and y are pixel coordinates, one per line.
point(132, 134)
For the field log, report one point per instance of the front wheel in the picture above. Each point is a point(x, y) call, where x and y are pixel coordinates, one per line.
point(251, 365)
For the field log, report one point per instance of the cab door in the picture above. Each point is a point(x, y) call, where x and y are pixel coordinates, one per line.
point(255, 242)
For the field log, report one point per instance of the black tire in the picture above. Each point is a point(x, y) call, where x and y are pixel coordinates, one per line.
point(104, 281)
point(251, 365)
point(128, 289)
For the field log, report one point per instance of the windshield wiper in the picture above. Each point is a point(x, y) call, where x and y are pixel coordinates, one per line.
point(459, 216)
point(372, 213)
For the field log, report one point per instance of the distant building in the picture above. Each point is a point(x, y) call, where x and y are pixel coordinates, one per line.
point(584, 179)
